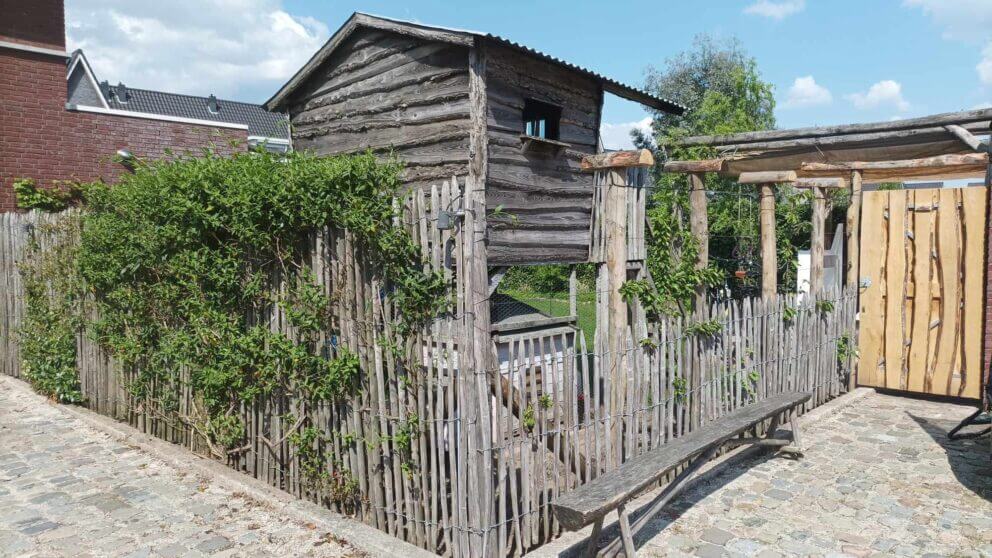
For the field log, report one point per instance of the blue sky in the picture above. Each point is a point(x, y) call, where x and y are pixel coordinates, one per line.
point(830, 61)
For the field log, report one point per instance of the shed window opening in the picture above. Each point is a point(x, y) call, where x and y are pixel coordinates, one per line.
point(541, 120)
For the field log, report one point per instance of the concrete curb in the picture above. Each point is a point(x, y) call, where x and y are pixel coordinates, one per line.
point(359, 535)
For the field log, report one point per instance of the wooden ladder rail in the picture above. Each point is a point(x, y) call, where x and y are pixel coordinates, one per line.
point(511, 396)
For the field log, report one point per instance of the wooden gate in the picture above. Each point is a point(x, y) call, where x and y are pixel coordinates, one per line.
point(921, 315)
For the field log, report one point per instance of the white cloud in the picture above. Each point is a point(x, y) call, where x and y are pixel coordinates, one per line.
point(968, 21)
point(617, 136)
point(777, 10)
point(984, 68)
point(963, 20)
point(884, 93)
point(805, 92)
point(243, 49)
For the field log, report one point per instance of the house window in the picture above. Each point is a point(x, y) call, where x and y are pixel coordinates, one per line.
point(541, 120)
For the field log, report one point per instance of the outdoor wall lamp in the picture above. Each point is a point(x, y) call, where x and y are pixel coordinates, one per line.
point(126, 158)
point(446, 219)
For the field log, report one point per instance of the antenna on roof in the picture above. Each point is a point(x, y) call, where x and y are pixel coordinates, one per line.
point(212, 104)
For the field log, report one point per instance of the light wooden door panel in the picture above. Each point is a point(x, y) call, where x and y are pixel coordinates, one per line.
point(921, 316)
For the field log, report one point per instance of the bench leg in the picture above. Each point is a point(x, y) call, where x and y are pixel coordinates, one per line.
point(796, 436)
point(625, 534)
point(592, 548)
point(772, 427)
point(661, 500)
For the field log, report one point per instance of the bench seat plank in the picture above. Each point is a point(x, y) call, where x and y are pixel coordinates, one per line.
point(588, 502)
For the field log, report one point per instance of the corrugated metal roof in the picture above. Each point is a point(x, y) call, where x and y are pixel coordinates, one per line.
point(547, 57)
point(358, 18)
point(618, 88)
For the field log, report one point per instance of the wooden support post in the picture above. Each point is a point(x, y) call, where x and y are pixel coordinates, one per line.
point(699, 225)
point(987, 292)
point(852, 230)
point(615, 216)
point(573, 293)
point(611, 325)
point(478, 354)
point(769, 256)
point(817, 240)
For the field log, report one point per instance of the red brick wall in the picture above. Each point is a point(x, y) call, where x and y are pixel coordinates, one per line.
point(33, 22)
point(42, 140)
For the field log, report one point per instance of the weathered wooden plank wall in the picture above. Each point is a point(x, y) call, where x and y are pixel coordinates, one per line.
point(546, 201)
point(922, 314)
point(393, 94)
point(541, 443)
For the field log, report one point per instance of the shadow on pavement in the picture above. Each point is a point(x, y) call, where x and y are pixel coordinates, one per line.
point(970, 459)
point(714, 479)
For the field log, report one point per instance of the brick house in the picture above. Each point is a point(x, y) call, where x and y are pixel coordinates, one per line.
point(46, 137)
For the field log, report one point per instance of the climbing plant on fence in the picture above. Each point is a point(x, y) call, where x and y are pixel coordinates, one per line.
point(180, 260)
point(53, 309)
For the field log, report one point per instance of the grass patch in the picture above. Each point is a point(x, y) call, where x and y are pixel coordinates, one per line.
point(556, 304)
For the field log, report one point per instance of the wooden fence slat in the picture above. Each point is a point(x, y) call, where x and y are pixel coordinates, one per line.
point(676, 380)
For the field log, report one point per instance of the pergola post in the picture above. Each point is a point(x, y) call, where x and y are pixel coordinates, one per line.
point(769, 255)
point(611, 177)
point(817, 241)
point(573, 292)
point(699, 226)
point(853, 231)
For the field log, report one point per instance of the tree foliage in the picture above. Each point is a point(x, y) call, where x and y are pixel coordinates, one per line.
point(724, 92)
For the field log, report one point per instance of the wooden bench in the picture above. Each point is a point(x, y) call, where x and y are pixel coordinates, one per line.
point(611, 491)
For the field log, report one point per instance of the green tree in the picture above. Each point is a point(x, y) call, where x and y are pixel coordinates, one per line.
point(723, 90)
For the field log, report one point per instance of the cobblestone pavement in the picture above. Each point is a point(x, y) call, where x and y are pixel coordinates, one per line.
point(67, 489)
point(879, 478)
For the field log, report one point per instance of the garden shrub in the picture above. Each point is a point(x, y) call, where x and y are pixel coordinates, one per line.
point(180, 259)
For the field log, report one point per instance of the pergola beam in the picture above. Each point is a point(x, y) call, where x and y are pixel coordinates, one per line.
point(976, 119)
point(617, 159)
point(940, 161)
point(848, 141)
point(703, 165)
point(766, 177)
point(803, 182)
point(967, 138)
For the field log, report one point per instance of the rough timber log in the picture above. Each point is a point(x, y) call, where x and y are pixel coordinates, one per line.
point(769, 255)
point(617, 159)
point(766, 177)
point(704, 165)
point(973, 119)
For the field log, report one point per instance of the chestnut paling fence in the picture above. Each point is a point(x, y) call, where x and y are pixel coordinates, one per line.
point(465, 462)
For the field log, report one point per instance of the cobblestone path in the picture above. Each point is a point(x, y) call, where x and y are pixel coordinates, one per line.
point(880, 478)
point(67, 489)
